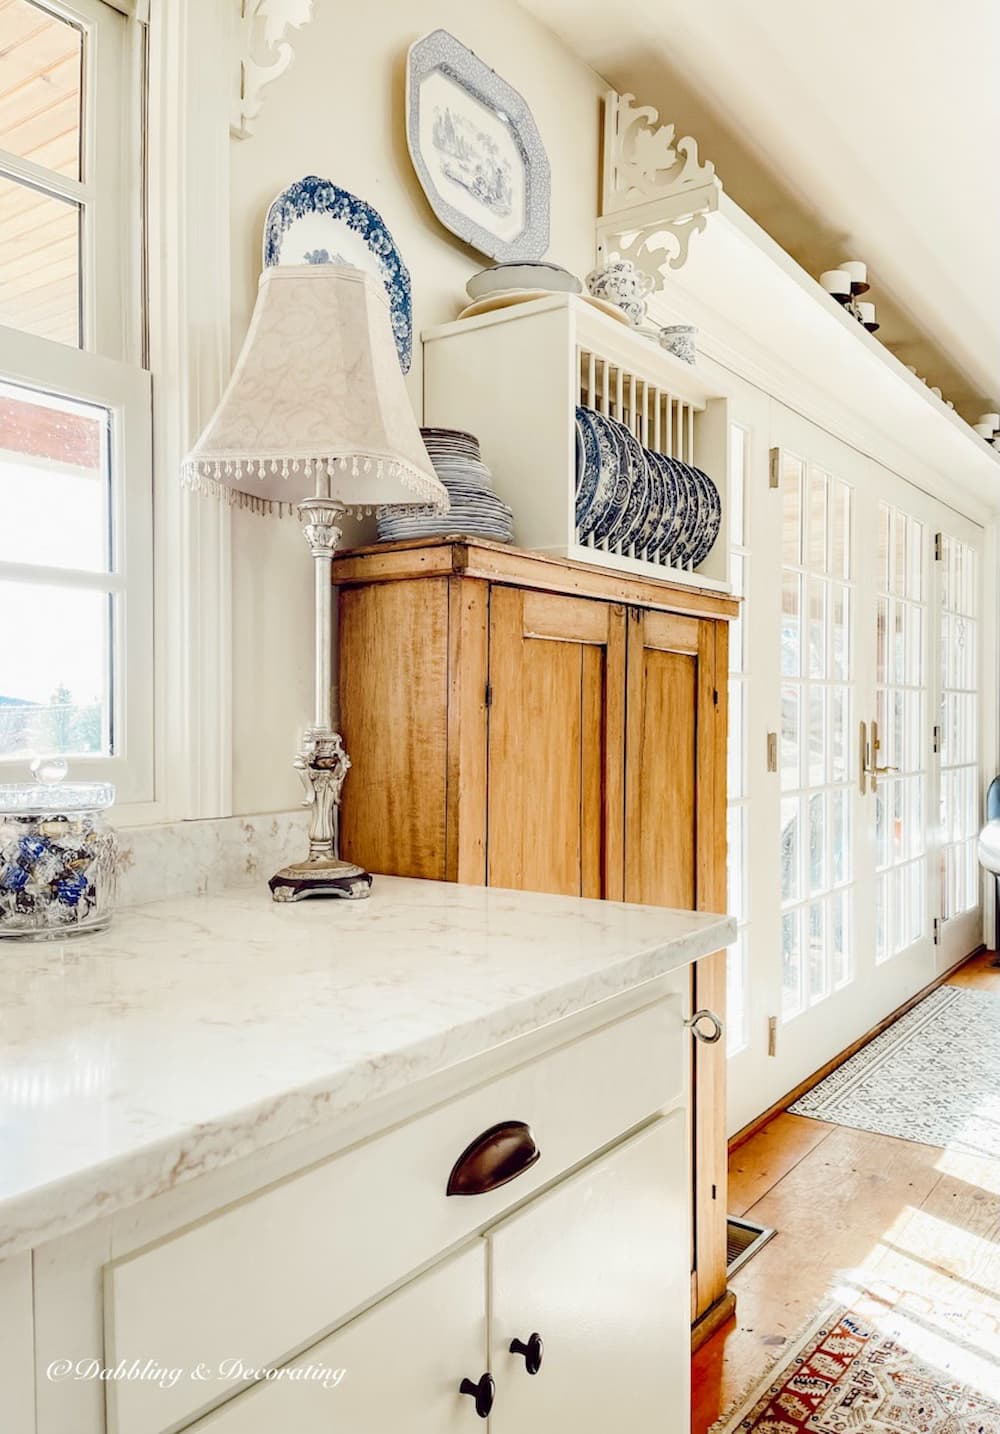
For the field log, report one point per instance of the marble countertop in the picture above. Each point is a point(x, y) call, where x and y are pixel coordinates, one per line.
point(194, 1032)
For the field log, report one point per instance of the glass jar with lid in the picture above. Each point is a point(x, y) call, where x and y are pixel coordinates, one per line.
point(58, 856)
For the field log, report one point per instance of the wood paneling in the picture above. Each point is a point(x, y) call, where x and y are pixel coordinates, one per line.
point(551, 754)
point(394, 719)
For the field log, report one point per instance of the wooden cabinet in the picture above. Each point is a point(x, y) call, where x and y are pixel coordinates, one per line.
point(597, 1270)
point(531, 722)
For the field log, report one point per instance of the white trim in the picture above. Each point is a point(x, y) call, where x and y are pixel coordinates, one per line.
point(762, 317)
point(190, 54)
point(124, 390)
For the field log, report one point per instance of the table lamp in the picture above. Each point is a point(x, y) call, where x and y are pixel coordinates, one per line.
point(316, 417)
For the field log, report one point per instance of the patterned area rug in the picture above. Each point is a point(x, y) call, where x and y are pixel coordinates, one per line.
point(859, 1374)
point(933, 1077)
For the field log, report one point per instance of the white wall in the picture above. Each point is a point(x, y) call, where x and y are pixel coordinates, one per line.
point(339, 112)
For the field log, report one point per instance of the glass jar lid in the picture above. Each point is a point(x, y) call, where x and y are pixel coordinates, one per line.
point(51, 795)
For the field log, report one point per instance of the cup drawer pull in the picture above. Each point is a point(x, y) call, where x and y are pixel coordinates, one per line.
point(498, 1155)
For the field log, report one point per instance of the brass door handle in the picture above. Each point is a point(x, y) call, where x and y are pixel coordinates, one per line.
point(868, 765)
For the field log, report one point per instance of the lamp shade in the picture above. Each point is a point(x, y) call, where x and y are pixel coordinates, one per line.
point(316, 398)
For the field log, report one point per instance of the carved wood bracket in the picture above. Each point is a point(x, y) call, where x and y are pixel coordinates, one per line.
point(264, 53)
point(656, 195)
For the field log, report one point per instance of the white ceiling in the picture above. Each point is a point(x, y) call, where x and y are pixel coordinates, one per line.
point(849, 130)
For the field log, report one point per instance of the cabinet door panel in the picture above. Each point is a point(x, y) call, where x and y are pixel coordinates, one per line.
point(599, 1268)
point(403, 1362)
point(556, 744)
point(675, 855)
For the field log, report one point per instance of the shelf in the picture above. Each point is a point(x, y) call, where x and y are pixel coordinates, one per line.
point(514, 378)
point(763, 317)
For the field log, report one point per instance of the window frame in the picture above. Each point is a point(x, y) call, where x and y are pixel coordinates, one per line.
point(105, 370)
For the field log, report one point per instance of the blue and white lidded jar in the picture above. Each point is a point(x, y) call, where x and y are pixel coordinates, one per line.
point(58, 856)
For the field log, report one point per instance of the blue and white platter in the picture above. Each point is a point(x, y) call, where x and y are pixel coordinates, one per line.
point(314, 221)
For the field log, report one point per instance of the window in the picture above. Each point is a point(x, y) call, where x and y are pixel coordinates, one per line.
point(75, 453)
point(958, 727)
point(738, 810)
point(816, 721)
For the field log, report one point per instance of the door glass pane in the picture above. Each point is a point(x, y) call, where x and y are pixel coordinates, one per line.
point(901, 698)
point(39, 262)
point(816, 753)
point(55, 496)
point(55, 671)
point(957, 719)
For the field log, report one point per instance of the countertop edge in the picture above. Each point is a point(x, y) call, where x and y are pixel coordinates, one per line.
point(97, 1191)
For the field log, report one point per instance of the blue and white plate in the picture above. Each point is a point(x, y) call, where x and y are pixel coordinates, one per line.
point(633, 513)
point(588, 464)
point(314, 221)
point(674, 507)
point(712, 519)
point(647, 538)
point(613, 494)
point(680, 553)
point(607, 478)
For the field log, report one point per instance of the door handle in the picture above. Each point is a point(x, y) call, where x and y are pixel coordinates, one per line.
point(500, 1154)
point(717, 1030)
point(874, 770)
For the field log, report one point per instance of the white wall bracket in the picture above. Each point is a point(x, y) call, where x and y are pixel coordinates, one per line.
point(264, 53)
point(656, 192)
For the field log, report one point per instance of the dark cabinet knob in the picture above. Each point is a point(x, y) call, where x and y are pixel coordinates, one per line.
point(532, 1351)
point(482, 1393)
point(500, 1154)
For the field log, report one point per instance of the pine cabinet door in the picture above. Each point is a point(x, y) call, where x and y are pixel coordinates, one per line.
point(675, 855)
point(556, 743)
point(403, 1362)
point(598, 1269)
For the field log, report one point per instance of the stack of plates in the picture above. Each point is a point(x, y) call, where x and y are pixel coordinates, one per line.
point(643, 504)
point(475, 508)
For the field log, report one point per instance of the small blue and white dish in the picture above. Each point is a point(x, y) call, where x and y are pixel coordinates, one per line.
point(314, 221)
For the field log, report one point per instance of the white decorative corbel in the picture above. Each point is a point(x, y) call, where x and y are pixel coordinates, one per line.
point(264, 53)
point(656, 191)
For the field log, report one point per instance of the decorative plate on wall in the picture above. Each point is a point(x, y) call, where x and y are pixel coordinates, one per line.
point(477, 150)
point(316, 222)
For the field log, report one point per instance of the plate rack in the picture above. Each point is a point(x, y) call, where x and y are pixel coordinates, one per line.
point(514, 378)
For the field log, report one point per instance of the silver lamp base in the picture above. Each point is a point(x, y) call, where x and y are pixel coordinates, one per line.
point(328, 877)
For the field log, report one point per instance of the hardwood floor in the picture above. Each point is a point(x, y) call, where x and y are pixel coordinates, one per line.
point(917, 1217)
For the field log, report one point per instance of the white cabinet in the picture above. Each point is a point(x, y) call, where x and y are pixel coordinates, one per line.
point(403, 1362)
point(597, 1268)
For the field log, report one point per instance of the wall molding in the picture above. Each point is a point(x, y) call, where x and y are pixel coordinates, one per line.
point(188, 238)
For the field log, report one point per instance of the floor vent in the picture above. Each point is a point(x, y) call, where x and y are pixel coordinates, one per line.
point(743, 1240)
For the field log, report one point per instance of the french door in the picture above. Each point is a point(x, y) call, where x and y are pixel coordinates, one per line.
point(866, 604)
